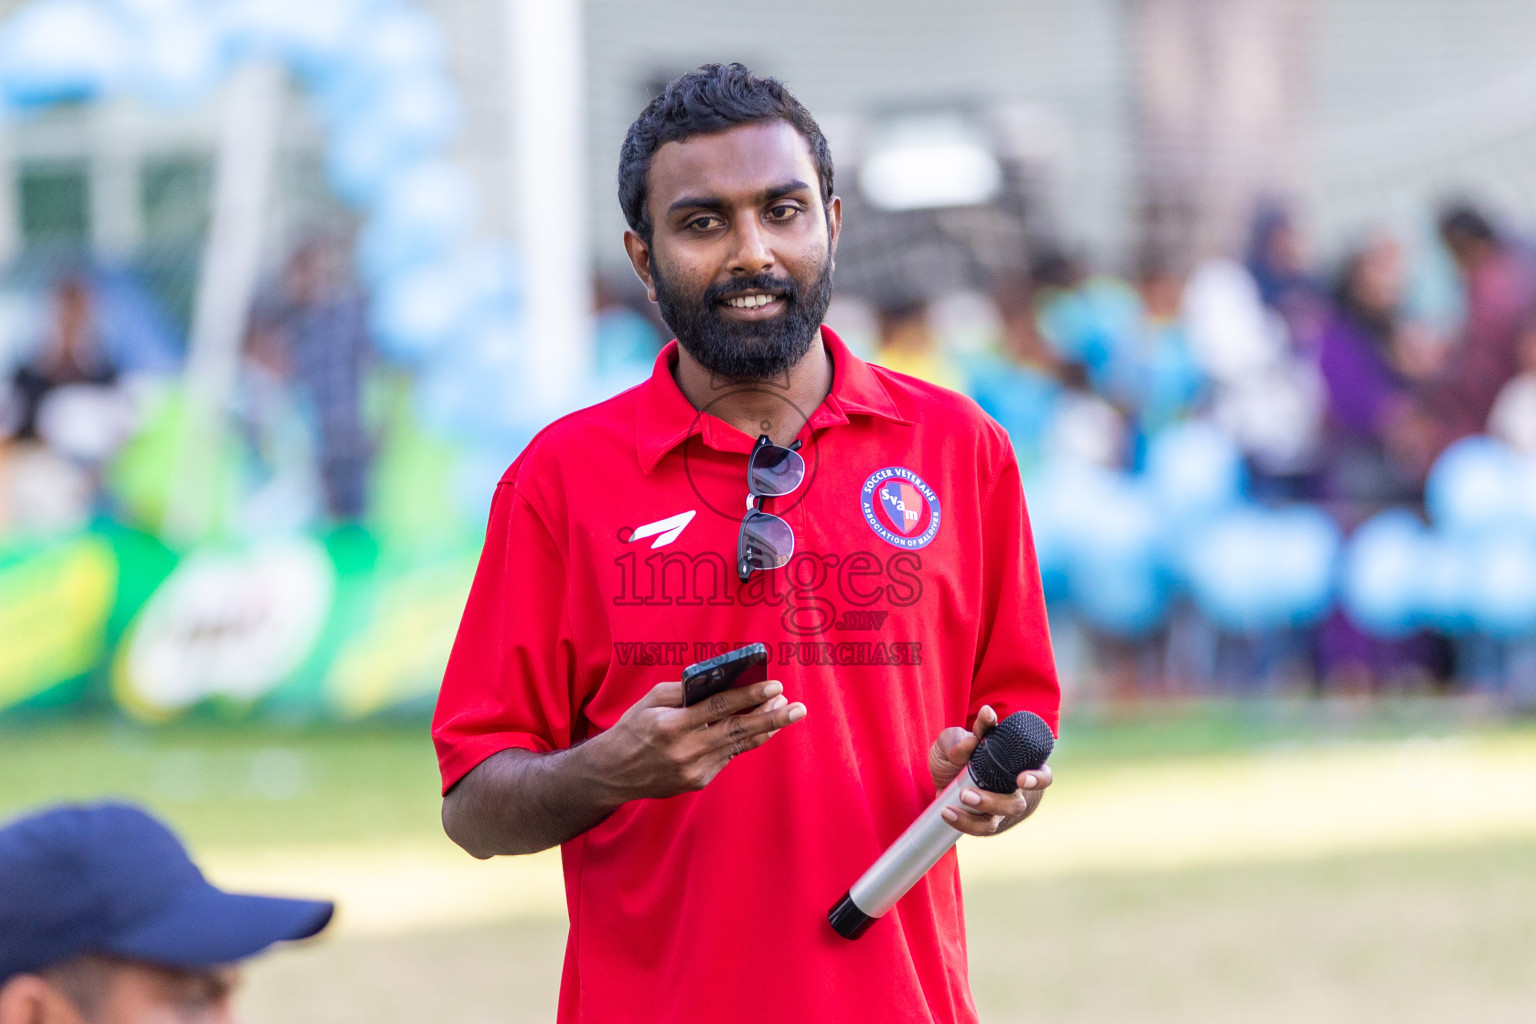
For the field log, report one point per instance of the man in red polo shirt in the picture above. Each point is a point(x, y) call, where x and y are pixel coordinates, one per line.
point(878, 546)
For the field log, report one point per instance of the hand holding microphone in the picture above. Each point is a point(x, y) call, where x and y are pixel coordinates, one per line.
point(982, 812)
point(1020, 743)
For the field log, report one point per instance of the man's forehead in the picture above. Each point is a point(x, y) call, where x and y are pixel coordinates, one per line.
point(155, 983)
point(739, 162)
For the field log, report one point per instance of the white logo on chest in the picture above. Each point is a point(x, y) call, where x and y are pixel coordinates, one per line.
point(664, 530)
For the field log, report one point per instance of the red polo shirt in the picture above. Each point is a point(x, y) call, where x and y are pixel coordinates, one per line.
point(912, 599)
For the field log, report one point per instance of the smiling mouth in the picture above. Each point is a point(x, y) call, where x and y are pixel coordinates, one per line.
point(751, 300)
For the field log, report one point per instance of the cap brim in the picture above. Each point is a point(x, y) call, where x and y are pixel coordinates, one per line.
point(206, 926)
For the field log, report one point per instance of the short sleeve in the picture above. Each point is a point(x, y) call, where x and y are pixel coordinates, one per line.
point(1015, 669)
point(508, 681)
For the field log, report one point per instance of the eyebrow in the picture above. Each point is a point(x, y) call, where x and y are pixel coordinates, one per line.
point(212, 984)
point(716, 203)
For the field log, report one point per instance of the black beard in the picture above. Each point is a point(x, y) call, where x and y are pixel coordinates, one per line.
point(747, 350)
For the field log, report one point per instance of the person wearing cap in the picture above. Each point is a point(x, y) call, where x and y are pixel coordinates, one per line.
point(104, 919)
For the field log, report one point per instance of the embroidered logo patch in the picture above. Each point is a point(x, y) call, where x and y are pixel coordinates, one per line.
point(900, 507)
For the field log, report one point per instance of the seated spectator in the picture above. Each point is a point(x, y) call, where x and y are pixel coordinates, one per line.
point(1087, 319)
point(1263, 393)
point(64, 415)
point(1085, 426)
point(1513, 419)
point(1046, 400)
point(105, 920)
point(909, 345)
point(1019, 386)
point(624, 340)
point(1357, 354)
point(1499, 281)
point(70, 355)
point(1159, 379)
point(1277, 261)
point(316, 317)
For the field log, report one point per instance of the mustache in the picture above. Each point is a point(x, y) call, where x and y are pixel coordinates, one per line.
point(783, 286)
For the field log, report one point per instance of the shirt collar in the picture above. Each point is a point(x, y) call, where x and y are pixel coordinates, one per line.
point(664, 418)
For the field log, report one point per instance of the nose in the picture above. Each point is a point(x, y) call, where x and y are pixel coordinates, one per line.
point(752, 255)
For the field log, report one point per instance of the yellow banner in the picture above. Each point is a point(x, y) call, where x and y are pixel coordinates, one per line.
point(53, 614)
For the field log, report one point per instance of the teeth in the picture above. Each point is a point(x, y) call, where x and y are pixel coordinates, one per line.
point(751, 301)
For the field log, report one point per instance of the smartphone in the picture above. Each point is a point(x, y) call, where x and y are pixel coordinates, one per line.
point(741, 667)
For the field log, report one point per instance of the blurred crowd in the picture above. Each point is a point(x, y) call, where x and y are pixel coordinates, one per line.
point(1331, 377)
point(92, 414)
point(1334, 391)
point(1334, 388)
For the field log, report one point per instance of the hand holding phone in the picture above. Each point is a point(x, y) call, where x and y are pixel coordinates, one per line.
point(659, 749)
point(741, 667)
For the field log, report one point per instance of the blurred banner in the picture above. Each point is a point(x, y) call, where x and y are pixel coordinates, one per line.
point(296, 629)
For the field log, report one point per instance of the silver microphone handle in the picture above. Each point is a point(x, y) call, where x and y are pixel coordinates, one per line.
point(913, 853)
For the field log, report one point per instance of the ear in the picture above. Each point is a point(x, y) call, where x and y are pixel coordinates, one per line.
point(639, 258)
point(834, 228)
point(28, 999)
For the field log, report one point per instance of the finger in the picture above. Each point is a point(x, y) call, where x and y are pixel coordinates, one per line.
point(735, 739)
point(970, 824)
point(1036, 778)
point(958, 744)
point(980, 803)
point(663, 695)
point(732, 732)
point(770, 705)
point(943, 765)
point(986, 721)
point(729, 702)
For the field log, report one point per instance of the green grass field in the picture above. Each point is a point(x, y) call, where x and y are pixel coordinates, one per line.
point(1226, 862)
point(1432, 936)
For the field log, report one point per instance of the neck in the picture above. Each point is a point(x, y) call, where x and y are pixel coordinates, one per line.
point(777, 407)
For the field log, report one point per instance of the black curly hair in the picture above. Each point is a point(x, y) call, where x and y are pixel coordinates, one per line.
point(714, 98)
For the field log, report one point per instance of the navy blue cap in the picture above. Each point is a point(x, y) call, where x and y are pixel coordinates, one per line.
point(112, 879)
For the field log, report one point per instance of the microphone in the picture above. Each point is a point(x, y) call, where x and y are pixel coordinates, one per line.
point(1018, 743)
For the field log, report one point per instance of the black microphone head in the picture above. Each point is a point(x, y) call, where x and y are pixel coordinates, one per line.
point(1019, 742)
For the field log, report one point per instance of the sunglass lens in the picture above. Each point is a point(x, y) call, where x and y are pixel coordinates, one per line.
point(766, 542)
point(774, 471)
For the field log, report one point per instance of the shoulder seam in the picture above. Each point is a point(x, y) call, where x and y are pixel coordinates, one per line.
point(533, 510)
point(1000, 468)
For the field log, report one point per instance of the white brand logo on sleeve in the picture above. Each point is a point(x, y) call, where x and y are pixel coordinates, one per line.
point(665, 530)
